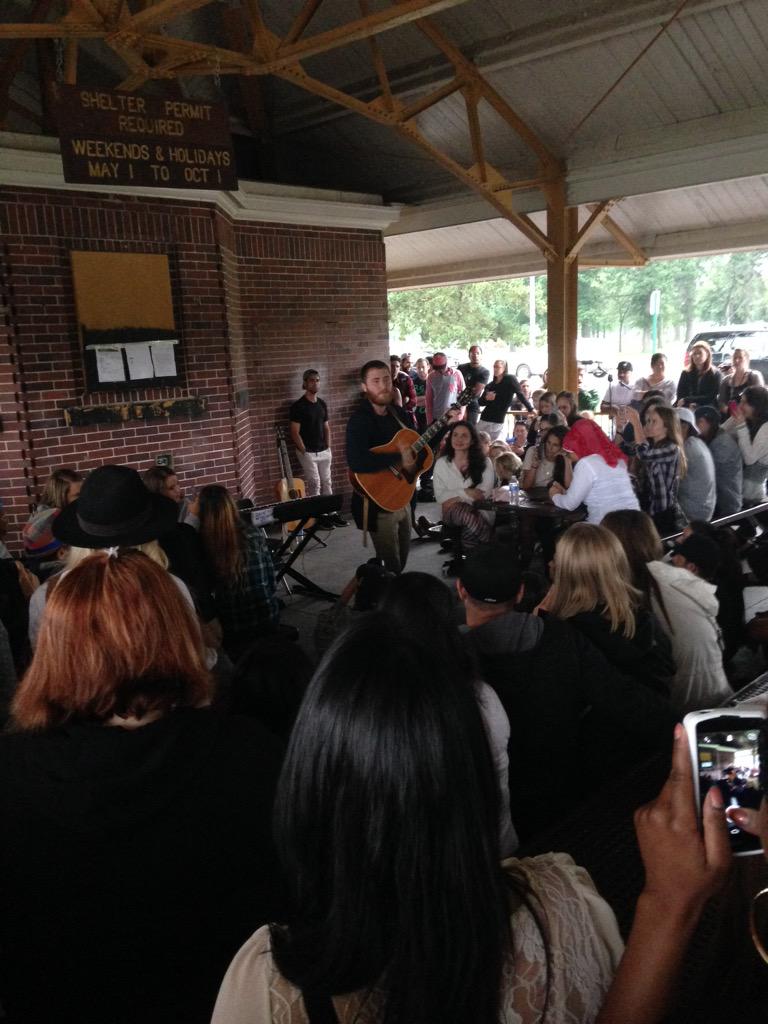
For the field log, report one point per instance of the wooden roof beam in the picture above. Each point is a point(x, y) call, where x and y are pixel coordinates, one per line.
point(466, 69)
point(362, 28)
point(300, 22)
point(14, 62)
point(639, 258)
point(161, 13)
point(596, 218)
point(425, 102)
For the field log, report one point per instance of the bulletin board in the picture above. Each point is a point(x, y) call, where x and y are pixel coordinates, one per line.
point(125, 316)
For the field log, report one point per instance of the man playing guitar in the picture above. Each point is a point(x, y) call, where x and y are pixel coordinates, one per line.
point(374, 423)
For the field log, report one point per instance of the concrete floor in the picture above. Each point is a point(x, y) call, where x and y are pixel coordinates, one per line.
point(334, 566)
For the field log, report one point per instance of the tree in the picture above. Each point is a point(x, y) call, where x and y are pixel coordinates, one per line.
point(735, 290)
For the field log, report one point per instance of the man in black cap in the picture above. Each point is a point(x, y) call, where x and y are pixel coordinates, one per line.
point(620, 392)
point(567, 706)
point(698, 555)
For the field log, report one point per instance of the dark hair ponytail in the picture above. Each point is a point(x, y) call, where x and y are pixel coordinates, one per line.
point(386, 823)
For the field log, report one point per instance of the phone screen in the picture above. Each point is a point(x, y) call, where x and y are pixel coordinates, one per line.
point(728, 758)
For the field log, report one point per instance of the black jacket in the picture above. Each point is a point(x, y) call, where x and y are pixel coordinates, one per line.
point(702, 389)
point(647, 657)
point(366, 430)
point(504, 389)
point(133, 865)
point(575, 722)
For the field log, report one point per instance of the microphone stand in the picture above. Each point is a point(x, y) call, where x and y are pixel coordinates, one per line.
point(611, 406)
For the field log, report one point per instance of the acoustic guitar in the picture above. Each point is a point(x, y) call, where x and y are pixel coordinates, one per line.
point(392, 488)
point(288, 488)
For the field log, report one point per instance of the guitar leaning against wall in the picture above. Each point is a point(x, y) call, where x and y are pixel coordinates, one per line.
point(288, 488)
point(392, 488)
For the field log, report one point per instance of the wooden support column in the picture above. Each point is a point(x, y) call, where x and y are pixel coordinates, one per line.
point(562, 291)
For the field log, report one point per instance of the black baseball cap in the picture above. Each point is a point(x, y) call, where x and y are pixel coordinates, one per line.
point(624, 367)
point(701, 551)
point(492, 574)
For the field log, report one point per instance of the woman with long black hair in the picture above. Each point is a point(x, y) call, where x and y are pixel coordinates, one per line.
point(749, 425)
point(462, 476)
point(387, 828)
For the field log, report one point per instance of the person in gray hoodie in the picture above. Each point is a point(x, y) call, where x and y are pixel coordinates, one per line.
point(725, 452)
point(697, 492)
point(566, 704)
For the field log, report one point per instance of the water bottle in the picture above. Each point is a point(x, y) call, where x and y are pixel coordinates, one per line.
point(514, 491)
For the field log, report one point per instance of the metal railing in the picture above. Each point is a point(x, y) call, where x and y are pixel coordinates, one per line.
point(746, 513)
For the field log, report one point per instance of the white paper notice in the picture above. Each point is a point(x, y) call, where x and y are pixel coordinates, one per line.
point(164, 358)
point(139, 361)
point(109, 364)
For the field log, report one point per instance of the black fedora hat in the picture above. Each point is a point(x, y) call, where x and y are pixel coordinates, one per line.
point(115, 508)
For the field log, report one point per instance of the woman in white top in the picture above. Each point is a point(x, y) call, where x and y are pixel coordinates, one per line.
point(657, 380)
point(749, 425)
point(600, 476)
point(463, 475)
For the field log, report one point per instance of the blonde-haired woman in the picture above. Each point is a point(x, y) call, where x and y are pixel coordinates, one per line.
point(662, 458)
point(61, 489)
point(737, 381)
point(593, 590)
point(240, 562)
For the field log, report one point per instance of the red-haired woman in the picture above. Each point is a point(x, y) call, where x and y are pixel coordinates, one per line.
point(136, 851)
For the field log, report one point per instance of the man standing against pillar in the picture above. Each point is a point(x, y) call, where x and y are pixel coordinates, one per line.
point(475, 377)
point(311, 434)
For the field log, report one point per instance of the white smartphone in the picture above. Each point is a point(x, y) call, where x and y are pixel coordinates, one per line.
point(724, 753)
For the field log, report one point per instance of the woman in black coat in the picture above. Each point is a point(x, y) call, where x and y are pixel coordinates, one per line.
point(137, 852)
point(593, 590)
point(700, 383)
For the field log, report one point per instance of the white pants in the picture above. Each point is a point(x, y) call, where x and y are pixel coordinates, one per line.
point(493, 429)
point(317, 472)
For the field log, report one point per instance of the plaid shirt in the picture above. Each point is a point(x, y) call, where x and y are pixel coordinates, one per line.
point(662, 475)
point(249, 599)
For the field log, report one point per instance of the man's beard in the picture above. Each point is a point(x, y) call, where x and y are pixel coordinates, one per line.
point(380, 398)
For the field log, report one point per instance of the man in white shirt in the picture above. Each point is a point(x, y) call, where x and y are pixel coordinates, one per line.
point(620, 392)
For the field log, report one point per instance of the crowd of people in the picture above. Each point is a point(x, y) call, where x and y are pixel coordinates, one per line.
point(205, 823)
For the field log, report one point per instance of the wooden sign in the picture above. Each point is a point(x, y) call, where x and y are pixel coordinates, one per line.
point(117, 138)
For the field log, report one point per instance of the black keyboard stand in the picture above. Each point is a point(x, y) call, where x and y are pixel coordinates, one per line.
point(284, 566)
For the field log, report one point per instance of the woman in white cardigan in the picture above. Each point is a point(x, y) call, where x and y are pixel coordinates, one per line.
point(749, 425)
point(462, 476)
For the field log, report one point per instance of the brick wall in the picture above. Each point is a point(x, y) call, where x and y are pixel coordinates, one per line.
point(255, 303)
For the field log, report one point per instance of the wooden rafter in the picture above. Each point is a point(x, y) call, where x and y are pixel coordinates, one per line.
point(377, 58)
point(300, 22)
point(14, 62)
point(362, 28)
point(596, 218)
point(133, 33)
point(639, 258)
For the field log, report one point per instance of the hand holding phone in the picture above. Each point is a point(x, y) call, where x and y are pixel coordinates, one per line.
point(683, 868)
point(723, 745)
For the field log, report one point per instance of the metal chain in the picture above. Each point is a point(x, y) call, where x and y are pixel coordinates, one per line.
point(60, 60)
